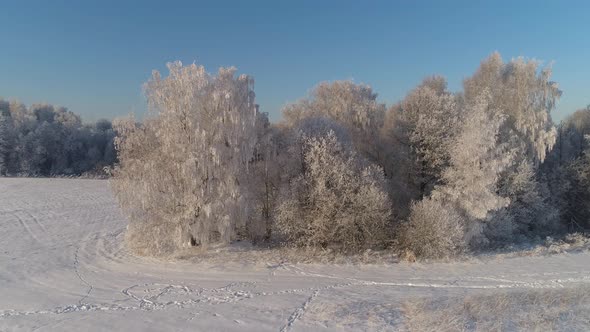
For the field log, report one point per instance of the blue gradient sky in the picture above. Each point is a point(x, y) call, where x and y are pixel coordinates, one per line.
point(93, 56)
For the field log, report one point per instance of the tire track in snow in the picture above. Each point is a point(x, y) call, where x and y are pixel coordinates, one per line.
point(77, 270)
point(26, 227)
point(452, 283)
point(36, 220)
point(299, 312)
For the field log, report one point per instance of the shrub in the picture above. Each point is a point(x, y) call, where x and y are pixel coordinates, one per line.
point(338, 200)
point(433, 230)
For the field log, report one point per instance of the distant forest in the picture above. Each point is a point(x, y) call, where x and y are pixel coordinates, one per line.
point(44, 140)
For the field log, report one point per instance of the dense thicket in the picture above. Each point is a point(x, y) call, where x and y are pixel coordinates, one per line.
point(44, 140)
point(434, 175)
point(567, 171)
point(337, 199)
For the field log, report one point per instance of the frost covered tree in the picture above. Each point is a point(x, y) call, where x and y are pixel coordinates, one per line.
point(338, 201)
point(430, 118)
point(466, 198)
point(565, 169)
point(524, 92)
point(398, 162)
point(529, 212)
point(353, 106)
point(278, 159)
point(477, 160)
point(23, 118)
point(180, 172)
point(268, 169)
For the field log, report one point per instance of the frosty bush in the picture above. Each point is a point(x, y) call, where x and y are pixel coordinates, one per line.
point(338, 200)
point(433, 230)
point(180, 172)
point(529, 210)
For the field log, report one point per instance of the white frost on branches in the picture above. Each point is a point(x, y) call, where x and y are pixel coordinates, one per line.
point(181, 170)
point(339, 200)
point(523, 91)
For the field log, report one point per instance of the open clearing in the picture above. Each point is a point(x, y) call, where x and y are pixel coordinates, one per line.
point(63, 267)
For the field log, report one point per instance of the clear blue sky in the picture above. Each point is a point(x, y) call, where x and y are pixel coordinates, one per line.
point(93, 56)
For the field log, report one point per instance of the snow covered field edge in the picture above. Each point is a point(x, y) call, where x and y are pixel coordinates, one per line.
point(64, 267)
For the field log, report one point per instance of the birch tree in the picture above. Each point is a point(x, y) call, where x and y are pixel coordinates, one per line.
point(181, 171)
point(477, 160)
point(354, 106)
point(524, 92)
point(430, 117)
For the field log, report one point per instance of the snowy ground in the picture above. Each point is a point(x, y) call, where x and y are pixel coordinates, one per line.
point(63, 267)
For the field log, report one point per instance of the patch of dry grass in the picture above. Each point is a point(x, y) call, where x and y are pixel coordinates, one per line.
point(248, 254)
point(566, 309)
point(244, 252)
point(574, 242)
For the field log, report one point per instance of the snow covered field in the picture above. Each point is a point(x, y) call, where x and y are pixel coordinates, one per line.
point(63, 267)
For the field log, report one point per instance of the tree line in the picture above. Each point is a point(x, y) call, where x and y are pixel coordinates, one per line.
point(437, 174)
point(45, 140)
